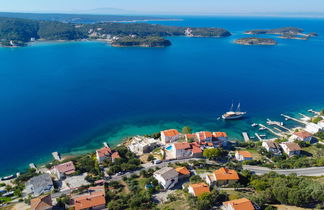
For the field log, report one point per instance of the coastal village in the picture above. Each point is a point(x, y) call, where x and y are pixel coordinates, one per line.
point(175, 169)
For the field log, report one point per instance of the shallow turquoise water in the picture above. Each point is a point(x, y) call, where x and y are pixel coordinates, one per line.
point(70, 97)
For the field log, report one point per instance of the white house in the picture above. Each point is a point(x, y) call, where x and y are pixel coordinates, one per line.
point(321, 124)
point(198, 189)
point(243, 155)
point(239, 204)
point(64, 169)
point(167, 177)
point(182, 150)
point(272, 147)
point(303, 136)
point(169, 136)
point(140, 145)
point(313, 128)
point(290, 148)
point(103, 153)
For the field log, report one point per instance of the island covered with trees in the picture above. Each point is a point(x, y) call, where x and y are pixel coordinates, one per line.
point(18, 32)
point(255, 41)
point(284, 32)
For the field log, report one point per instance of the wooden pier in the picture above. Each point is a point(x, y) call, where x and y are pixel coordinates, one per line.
point(314, 112)
point(294, 119)
point(246, 137)
point(271, 131)
point(258, 136)
point(56, 156)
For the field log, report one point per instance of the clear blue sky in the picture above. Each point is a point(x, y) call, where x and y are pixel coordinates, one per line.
point(170, 6)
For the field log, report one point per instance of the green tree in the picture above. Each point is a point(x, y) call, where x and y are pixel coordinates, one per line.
point(186, 130)
point(212, 153)
point(195, 179)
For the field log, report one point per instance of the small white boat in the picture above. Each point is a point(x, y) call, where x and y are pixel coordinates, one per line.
point(254, 125)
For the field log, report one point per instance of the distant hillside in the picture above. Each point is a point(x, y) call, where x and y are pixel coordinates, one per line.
point(18, 32)
point(77, 18)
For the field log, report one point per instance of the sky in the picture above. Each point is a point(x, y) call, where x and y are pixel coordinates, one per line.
point(166, 6)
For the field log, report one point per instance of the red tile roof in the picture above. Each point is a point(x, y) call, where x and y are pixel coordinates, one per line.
point(199, 188)
point(195, 149)
point(292, 146)
point(105, 151)
point(90, 201)
point(226, 174)
point(182, 145)
point(115, 155)
point(219, 134)
point(66, 168)
point(240, 204)
point(170, 132)
point(183, 170)
point(245, 154)
point(41, 203)
point(303, 134)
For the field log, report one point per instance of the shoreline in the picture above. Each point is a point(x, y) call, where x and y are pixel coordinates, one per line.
point(83, 149)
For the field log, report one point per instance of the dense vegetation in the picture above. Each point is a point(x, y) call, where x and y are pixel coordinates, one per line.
point(283, 30)
point(292, 190)
point(141, 42)
point(127, 162)
point(255, 41)
point(23, 30)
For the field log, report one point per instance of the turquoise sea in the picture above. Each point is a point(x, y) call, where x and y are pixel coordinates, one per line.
point(70, 97)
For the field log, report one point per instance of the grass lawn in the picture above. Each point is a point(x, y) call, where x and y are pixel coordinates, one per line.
point(254, 153)
point(316, 152)
point(180, 203)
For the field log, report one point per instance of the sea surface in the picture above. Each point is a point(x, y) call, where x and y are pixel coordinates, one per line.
point(70, 97)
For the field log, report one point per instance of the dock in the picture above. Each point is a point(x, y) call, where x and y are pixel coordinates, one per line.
point(246, 137)
point(314, 112)
point(56, 156)
point(294, 119)
point(306, 118)
point(105, 144)
point(271, 131)
point(279, 124)
point(32, 166)
point(258, 136)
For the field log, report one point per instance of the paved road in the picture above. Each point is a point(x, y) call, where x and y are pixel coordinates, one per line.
point(313, 171)
point(147, 166)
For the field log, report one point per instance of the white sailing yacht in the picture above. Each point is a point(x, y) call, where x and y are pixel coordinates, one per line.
point(231, 115)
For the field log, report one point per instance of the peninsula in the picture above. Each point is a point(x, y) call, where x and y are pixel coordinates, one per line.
point(15, 32)
point(255, 41)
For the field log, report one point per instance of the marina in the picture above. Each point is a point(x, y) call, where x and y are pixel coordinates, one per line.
point(246, 136)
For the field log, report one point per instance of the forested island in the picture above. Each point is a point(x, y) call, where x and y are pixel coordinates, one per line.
point(285, 33)
point(255, 41)
point(133, 41)
point(18, 32)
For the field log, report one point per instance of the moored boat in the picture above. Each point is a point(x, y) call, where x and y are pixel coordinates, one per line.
point(231, 115)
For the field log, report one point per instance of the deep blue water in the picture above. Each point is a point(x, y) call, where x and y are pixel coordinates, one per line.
point(70, 97)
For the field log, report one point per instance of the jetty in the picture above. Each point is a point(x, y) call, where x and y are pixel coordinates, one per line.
point(305, 118)
point(279, 124)
point(56, 156)
point(33, 166)
point(314, 112)
point(271, 131)
point(246, 137)
point(105, 144)
point(294, 119)
point(258, 136)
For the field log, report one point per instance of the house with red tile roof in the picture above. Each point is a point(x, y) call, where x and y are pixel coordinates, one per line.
point(115, 156)
point(103, 153)
point(198, 189)
point(63, 169)
point(290, 148)
point(94, 199)
point(243, 155)
point(182, 150)
point(183, 172)
point(222, 176)
point(239, 204)
point(303, 135)
point(168, 136)
point(41, 203)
